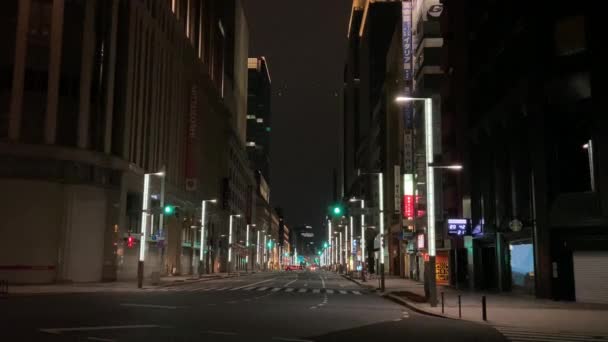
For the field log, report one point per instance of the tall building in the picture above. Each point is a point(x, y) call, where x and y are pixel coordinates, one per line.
point(93, 94)
point(259, 115)
point(534, 139)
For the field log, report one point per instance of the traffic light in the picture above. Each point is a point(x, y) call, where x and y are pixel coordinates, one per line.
point(169, 210)
point(269, 244)
point(337, 210)
point(130, 242)
point(325, 245)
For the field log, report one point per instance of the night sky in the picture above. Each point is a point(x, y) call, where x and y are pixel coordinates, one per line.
point(305, 45)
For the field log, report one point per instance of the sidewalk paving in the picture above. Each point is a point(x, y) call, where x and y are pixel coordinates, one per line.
point(503, 309)
point(115, 286)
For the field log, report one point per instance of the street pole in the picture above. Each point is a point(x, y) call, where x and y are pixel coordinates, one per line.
point(362, 241)
point(430, 190)
point(144, 227)
point(381, 218)
point(329, 240)
point(230, 240)
point(350, 244)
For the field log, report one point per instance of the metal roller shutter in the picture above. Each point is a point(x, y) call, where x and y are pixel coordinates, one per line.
point(591, 276)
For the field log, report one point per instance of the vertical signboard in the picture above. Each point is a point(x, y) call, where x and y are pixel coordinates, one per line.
point(406, 39)
point(397, 190)
point(442, 269)
point(408, 151)
point(408, 196)
point(191, 159)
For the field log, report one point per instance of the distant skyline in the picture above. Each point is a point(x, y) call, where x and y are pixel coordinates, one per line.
point(305, 46)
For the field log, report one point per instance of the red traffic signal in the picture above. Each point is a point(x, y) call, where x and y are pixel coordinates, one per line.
point(130, 242)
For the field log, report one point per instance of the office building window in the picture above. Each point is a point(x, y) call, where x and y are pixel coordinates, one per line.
point(8, 29)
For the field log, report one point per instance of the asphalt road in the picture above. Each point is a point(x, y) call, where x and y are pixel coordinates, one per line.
point(282, 306)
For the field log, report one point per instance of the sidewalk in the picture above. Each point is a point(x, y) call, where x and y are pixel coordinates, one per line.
point(505, 309)
point(115, 286)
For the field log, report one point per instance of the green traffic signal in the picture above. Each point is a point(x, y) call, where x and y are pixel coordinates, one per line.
point(169, 210)
point(325, 245)
point(337, 210)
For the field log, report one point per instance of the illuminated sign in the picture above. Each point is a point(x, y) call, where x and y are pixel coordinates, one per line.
point(420, 241)
point(457, 227)
point(408, 206)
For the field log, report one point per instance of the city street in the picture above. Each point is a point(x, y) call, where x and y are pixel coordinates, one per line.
point(279, 306)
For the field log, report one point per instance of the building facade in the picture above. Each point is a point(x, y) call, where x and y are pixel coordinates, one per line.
point(259, 115)
point(539, 206)
point(93, 95)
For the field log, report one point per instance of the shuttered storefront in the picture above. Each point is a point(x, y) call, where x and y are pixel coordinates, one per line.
point(591, 276)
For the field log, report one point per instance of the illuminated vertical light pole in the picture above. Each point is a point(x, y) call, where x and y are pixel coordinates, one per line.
point(257, 250)
point(203, 240)
point(430, 191)
point(381, 223)
point(350, 243)
point(264, 254)
point(247, 247)
point(340, 247)
point(232, 216)
point(330, 240)
point(362, 241)
point(144, 226)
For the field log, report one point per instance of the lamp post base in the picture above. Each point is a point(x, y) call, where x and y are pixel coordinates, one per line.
point(140, 274)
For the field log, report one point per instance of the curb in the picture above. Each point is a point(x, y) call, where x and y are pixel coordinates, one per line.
point(369, 287)
point(411, 306)
point(192, 281)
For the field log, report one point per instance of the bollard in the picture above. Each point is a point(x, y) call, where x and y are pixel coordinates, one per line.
point(484, 313)
point(459, 308)
point(442, 305)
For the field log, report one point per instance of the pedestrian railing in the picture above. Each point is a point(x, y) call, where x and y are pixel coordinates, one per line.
point(3, 287)
point(483, 302)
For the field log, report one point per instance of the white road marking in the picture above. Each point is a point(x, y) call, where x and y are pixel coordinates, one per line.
point(152, 306)
point(291, 282)
point(262, 289)
point(357, 293)
point(222, 288)
point(316, 291)
point(100, 339)
point(342, 292)
point(322, 281)
point(330, 291)
point(397, 320)
point(306, 285)
point(109, 327)
point(302, 290)
point(275, 289)
point(249, 285)
point(313, 307)
point(289, 289)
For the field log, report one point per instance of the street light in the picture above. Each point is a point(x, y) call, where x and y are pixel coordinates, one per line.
point(144, 223)
point(203, 226)
point(247, 245)
point(362, 239)
point(430, 190)
point(230, 240)
point(329, 239)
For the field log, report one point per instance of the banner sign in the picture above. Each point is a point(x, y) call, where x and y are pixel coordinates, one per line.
point(191, 142)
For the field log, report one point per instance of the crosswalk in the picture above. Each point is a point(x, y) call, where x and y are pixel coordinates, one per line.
point(527, 335)
point(258, 289)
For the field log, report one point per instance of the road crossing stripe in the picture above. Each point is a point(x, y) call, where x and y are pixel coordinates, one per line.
point(316, 291)
point(342, 292)
point(302, 290)
point(357, 293)
point(329, 291)
point(275, 289)
point(289, 289)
